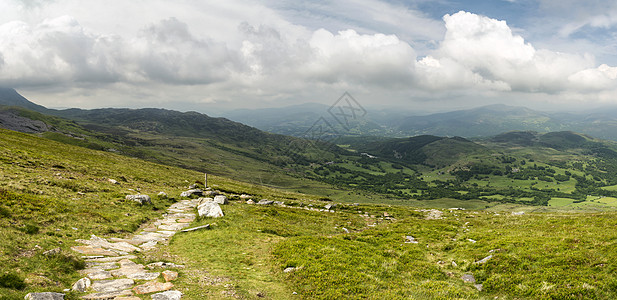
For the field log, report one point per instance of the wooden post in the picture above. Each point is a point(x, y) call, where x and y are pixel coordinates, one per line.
point(205, 180)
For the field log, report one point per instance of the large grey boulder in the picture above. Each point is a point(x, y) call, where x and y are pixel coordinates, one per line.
point(265, 202)
point(44, 296)
point(81, 285)
point(209, 209)
point(142, 199)
point(220, 199)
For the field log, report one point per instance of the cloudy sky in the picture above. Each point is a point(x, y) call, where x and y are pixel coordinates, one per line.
point(215, 55)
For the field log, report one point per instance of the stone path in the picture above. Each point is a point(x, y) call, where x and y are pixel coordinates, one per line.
point(111, 272)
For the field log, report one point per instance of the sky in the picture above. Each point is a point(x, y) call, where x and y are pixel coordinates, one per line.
point(211, 56)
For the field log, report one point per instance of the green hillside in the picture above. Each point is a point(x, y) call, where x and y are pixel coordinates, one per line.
point(54, 193)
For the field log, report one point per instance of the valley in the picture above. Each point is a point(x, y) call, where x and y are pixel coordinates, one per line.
point(517, 215)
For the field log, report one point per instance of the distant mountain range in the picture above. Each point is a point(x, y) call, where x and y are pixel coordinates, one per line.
point(478, 122)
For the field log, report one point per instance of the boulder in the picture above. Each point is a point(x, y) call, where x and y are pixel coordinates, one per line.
point(169, 295)
point(220, 199)
point(44, 296)
point(265, 202)
point(169, 275)
point(142, 199)
point(191, 192)
point(209, 209)
point(81, 285)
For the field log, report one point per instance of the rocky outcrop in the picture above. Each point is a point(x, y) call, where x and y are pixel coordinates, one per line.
point(210, 209)
point(44, 296)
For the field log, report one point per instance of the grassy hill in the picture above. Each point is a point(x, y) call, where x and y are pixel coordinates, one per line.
point(53, 193)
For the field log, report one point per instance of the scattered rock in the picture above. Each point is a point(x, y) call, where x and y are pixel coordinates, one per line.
point(52, 252)
point(192, 192)
point(346, 230)
point(245, 196)
point(478, 287)
point(454, 264)
point(192, 186)
point(113, 181)
point(472, 241)
point(81, 285)
point(162, 194)
point(210, 209)
point(168, 295)
point(484, 259)
point(152, 287)
point(44, 296)
point(518, 213)
point(468, 278)
point(250, 201)
point(265, 202)
point(220, 199)
point(410, 240)
point(278, 203)
point(289, 269)
point(169, 275)
point(142, 199)
point(432, 214)
point(330, 206)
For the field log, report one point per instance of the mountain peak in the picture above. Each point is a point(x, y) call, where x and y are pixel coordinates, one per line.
point(10, 97)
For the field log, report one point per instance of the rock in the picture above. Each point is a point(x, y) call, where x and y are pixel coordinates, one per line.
point(112, 181)
point(52, 252)
point(484, 259)
point(410, 240)
point(196, 228)
point(472, 241)
point(478, 287)
point(161, 264)
point(454, 264)
point(93, 251)
point(220, 199)
point(113, 285)
point(144, 276)
point(289, 269)
point(192, 186)
point(162, 194)
point(265, 202)
point(468, 278)
point(96, 274)
point(192, 192)
point(127, 298)
point(432, 214)
point(245, 196)
point(278, 203)
point(330, 206)
point(210, 209)
point(81, 285)
point(169, 295)
point(250, 201)
point(142, 199)
point(96, 241)
point(152, 287)
point(518, 213)
point(44, 296)
point(346, 230)
point(169, 275)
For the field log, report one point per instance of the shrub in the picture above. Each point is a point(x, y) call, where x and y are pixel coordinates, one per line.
point(12, 281)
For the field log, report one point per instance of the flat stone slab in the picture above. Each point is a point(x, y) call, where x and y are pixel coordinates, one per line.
point(174, 227)
point(44, 296)
point(96, 274)
point(144, 276)
point(168, 295)
point(92, 250)
point(113, 285)
point(107, 295)
point(152, 287)
point(102, 266)
point(112, 259)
